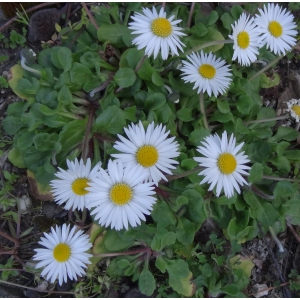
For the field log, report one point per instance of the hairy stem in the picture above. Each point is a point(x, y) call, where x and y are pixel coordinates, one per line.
point(280, 178)
point(187, 173)
point(280, 247)
point(102, 86)
point(293, 231)
point(272, 63)
point(90, 15)
point(197, 48)
point(85, 143)
point(34, 289)
point(202, 108)
point(268, 120)
point(191, 15)
point(17, 243)
point(121, 253)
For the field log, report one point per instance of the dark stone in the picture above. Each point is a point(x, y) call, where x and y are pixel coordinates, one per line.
point(135, 293)
point(42, 24)
point(51, 209)
point(65, 287)
point(32, 294)
point(7, 291)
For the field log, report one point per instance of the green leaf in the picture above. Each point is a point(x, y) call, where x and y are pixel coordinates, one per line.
point(185, 231)
point(197, 136)
point(223, 106)
point(113, 33)
point(47, 96)
point(199, 30)
point(223, 118)
point(212, 18)
point(244, 104)
point(65, 96)
point(212, 35)
point(184, 286)
point(236, 11)
point(26, 140)
point(184, 114)
point(267, 82)
point(281, 147)
point(224, 200)
point(125, 77)
point(265, 212)
point(284, 133)
point(156, 79)
point(16, 157)
point(258, 151)
point(256, 172)
point(111, 120)
point(283, 188)
point(70, 136)
point(155, 101)
point(163, 215)
point(90, 58)
point(147, 283)
point(45, 141)
point(61, 58)
point(281, 162)
point(114, 242)
point(80, 74)
point(123, 263)
point(231, 289)
point(161, 264)
point(227, 20)
point(129, 113)
point(11, 125)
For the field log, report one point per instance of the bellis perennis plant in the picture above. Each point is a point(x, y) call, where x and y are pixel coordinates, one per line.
point(142, 124)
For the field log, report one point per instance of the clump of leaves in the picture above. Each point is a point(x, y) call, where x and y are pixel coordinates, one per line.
point(6, 199)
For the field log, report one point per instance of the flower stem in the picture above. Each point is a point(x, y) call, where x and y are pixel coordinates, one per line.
point(102, 86)
point(268, 120)
point(187, 173)
point(191, 15)
point(281, 249)
point(90, 15)
point(280, 178)
point(197, 48)
point(85, 144)
point(34, 289)
point(202, 108)
point(272, 63)
point(121, 253)
point(17, 243)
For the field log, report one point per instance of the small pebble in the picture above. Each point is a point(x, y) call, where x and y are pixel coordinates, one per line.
point(261, 287)
point(25, 204)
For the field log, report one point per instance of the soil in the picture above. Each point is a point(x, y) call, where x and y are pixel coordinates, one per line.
point(44, 214)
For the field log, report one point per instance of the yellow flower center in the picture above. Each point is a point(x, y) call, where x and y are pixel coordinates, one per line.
point(79, 186)
point(61, 252)
point(161, 27)
point(207, 71)
point(275, 28)
point(227, 163)
point(147, 156)
point(120, 193)
point(243, 39)
point(296, 109)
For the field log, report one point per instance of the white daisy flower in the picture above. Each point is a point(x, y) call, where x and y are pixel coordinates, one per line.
point(120, 196)
point(156, 32)
point(65, 254)
point(277, 28)
point(70, 187)
point(151, 149)
point(294, 109)
point(223, 164)
point(245, 35)
point(208, 73)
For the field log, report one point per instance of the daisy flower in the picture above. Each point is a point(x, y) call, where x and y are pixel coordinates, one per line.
point(277, 28)
point(209, 74)
point(223, 164)
point(119, 196)
point(64, 255)
point(151, 149)
point(70, 187)
point(294, 109)
point(245, 36)
point(156, 32)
